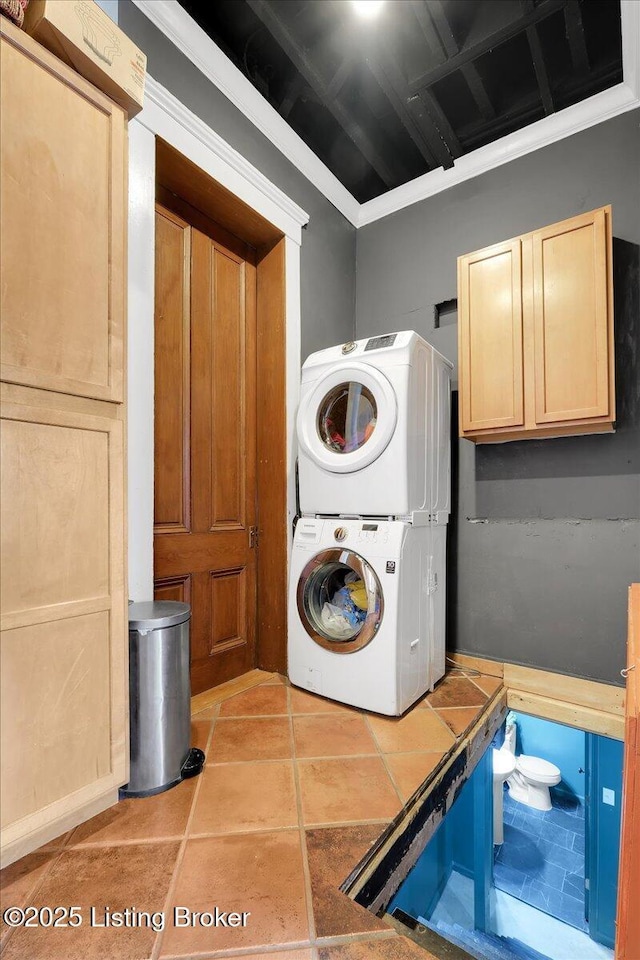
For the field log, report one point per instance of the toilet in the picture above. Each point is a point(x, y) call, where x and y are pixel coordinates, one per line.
point(504, 765)
point(530, 782)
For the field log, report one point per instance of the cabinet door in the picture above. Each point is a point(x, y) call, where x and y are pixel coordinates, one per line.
point(572, 321)
point(63, 226)
point(64, 632)
point(490, 338)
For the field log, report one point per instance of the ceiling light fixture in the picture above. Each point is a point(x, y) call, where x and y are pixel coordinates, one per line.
point(368, 8)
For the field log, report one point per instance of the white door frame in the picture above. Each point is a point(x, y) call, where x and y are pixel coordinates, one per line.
point(164, 116)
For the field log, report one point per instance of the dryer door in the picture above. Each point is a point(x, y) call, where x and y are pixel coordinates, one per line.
point(347, 420)
point(340, 600)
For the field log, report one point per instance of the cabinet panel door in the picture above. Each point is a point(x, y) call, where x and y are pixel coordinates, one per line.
point(64, 719)
point(490, 338)
point(571, 264)
point(63, 179)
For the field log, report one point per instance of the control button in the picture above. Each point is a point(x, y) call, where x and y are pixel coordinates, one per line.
point(340, 533)
point(349, 347)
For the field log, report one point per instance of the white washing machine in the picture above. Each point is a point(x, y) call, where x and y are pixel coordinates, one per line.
point(367, 611)
point(374, 429)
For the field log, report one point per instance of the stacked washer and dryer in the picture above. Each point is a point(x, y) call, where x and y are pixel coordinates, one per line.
point(367, 576)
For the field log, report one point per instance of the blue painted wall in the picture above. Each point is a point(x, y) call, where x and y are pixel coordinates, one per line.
point(603, 834)
point(563, 746)
point(462, 842)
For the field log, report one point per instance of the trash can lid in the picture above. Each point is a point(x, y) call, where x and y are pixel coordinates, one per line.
point(157, 614)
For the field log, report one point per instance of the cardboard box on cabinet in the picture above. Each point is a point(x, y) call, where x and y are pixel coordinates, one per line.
point(81, 34)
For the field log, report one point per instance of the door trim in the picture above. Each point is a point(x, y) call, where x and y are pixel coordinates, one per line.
point(194, 141)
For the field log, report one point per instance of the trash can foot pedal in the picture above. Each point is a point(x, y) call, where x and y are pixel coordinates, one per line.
point(193, 764)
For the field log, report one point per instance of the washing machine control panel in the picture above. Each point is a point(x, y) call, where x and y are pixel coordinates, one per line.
point(373, 532)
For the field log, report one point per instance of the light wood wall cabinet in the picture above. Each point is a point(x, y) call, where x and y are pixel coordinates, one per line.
point(63, 646)
point(535, 329)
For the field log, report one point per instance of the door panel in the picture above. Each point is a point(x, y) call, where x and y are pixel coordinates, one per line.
point(209, 556)
point(571, 319)
point(490, 338)
point(172, 375)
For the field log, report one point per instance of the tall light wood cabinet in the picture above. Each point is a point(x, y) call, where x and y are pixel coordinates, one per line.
point(63, 646)
point(536, 333)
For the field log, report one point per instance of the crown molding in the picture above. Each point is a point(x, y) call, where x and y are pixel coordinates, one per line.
point(176, 24)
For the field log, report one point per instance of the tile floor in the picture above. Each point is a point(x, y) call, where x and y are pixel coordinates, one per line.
point(295, 791)
point(542, 858)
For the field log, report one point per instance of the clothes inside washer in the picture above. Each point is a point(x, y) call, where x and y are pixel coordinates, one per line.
point(342, 616)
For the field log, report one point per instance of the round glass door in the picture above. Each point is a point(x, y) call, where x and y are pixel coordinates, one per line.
point(347, 417)
point(340, 600)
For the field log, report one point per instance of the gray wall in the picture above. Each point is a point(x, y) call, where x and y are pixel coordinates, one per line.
point(328, 243)
point(545, 534)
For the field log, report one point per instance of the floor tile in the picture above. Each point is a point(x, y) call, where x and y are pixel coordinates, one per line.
point(346, 789)
point(571, 861)
point(303, 702)
point(523, 821)
point(568, 821)
point(265, 700)
point(332, 854)
point(458, 719)
point(276, 678)
point(19, 880)
point(209, 713)
point(508, 879)
point(488, 685)
point(520, 851)
point(142, 818)
point(421, 729)
point(246, 796)
point(558, 835)
point(332, 736)
point(385, 948)
point(259, 738)
point(574, 886)
point(457, 692)
point(132, 876)
point(304, 954)
point(409, 770)
point(578, 843)
point(260, 873)
point(200, 730)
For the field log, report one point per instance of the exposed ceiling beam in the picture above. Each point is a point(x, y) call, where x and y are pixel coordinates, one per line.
point(340, 77)
point(283, 36)
point(441, 123)
point(469, 54)
point(413, 128)
point(575, 36)
point(291, 95)
point(413, 112)
point(540, 70)
point(435, 14)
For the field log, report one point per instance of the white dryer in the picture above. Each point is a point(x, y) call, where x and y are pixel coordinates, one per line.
point(373, 429)
point(367, 611)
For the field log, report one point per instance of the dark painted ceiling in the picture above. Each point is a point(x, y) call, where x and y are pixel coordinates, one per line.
point(384, 100)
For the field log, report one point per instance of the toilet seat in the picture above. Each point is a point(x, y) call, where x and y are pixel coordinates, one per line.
point(538, 770)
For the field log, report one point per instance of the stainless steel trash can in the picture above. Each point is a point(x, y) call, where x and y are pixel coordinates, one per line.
point(160, 698)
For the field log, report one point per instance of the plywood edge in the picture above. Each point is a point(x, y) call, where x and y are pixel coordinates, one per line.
point(572, 714)
point(602, 697)
point(14, 850)
point(490, 668)
point(209, 698)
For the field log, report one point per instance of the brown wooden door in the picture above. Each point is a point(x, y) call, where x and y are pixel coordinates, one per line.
point(205, 511)
point(490, 338)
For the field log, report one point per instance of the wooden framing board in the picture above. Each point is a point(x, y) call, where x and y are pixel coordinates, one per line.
point(229, 689)
point(628, 915)
point(571, 714)
point(375, 880)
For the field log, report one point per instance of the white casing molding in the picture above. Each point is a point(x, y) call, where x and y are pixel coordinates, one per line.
point(193, 42)
point(164, 116)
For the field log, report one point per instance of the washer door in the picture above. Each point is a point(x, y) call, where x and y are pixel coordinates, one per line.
point(348, 419)
point(340, 600)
